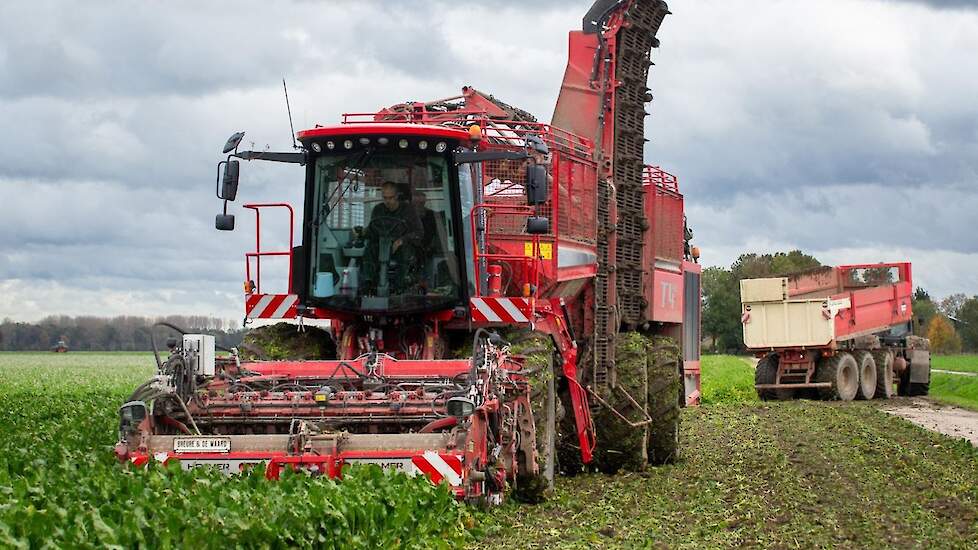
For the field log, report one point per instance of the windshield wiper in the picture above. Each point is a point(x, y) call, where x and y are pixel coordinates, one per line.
point(356, 167)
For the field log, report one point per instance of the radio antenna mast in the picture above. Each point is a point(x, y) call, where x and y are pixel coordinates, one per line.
point(289, 109)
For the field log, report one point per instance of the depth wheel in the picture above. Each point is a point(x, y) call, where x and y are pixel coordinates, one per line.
point(842, 372)
point(665, 384)
point(884, 374)
point(867, 375)
point(537, 350)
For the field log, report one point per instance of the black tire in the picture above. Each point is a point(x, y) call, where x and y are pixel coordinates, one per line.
point(621, 446)
point(665, 383)
point(866, 366)
point(884, 374)
point(767, 373)
point(842, 372)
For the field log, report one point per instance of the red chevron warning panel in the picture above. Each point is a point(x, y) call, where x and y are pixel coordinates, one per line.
point(440, 467)
point(270, 306)
point(500, 310)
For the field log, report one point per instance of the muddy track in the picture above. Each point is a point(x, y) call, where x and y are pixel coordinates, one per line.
point(951, 421)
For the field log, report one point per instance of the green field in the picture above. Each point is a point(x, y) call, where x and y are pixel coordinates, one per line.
point(959, 363)
point(61, 486)
point(727, 379)
point(784, 474)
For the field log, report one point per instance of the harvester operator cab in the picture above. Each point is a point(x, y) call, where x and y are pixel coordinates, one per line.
point(387, 216)
point(383, 231)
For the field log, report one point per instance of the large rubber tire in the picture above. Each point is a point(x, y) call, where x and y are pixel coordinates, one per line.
point(842, 372)
point(619, 445)
point(665, 395)
point(767, 373)
point(538, 350)
point(884, 374)
point(867, 375)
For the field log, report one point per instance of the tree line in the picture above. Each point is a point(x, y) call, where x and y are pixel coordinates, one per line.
point(124, 333)
point(951, 323)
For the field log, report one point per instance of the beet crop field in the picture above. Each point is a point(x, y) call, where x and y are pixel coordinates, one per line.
point(787, 475)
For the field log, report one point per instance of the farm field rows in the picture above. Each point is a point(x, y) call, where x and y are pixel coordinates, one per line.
point(794, 474)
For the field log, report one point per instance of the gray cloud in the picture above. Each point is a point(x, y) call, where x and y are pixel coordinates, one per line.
point(942, 4)
point(847, 137)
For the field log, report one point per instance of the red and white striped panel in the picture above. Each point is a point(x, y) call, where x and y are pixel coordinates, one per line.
point(500, 310)
point(439, 467)
point(270, 306)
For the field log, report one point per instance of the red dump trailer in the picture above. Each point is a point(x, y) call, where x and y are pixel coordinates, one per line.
point(838, 332)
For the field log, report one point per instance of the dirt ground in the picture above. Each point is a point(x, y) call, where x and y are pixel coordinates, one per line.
point(948, 420)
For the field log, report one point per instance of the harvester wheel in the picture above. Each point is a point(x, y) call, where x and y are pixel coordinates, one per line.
point(842, 372)
point(665, 393)
point(538, 351)
point(767, 373)
point(884, 374)
point(867, 375)
point(619, 444)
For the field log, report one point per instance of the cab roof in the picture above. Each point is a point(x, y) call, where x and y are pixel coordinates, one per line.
point(368, 129)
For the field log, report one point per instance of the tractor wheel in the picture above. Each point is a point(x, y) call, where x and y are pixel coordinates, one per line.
point(538, 351)
point(665, 394)
point(884, 374)
point(767, 373)
point(620, 445)
point(842, 372)
point(867, 375)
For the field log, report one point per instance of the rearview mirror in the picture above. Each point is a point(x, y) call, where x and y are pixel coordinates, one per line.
point(460, 407)
point(224, 222)
point(229, 185)
point(536, 184)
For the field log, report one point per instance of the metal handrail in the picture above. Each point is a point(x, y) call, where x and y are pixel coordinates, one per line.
point(258, 253)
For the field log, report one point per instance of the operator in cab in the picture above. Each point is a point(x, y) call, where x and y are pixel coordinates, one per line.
point(394, 236)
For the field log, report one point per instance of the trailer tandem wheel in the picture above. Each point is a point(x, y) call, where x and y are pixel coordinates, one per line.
point(884, 374)
point(867, 375)
point(842, 372)
point(766, 372)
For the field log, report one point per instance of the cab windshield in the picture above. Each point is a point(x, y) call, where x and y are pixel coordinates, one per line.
point(383, 239)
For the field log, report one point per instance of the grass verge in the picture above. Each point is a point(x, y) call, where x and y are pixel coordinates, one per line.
point(955, 389)
point(959, 363)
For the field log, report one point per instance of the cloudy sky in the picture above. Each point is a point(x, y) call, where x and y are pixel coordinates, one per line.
point(848, 128)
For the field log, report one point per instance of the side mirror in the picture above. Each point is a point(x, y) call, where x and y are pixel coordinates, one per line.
point(460, 407)
point(229, 186)
point(224, 222)
point(537, 190)
point(537, 225)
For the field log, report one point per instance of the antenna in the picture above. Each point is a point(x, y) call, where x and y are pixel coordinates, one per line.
point(289, 109)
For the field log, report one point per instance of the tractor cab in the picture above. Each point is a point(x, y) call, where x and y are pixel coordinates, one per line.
point(387, 226)
point(386, 219)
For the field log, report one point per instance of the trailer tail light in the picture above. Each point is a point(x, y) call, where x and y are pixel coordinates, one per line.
point(745, 318)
